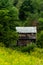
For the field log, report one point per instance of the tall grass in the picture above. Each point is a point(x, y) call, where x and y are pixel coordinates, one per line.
point(9, 56)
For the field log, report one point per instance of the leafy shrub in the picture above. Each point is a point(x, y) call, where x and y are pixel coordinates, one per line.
point(8, 34)
point(29, 47)
point(40, 39)
point(1, 44)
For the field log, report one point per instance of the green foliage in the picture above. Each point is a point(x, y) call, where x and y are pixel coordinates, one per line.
point(40, 39)
point(2, 45)
point(19, 3)
point(15, 2)
point(9, 56)
point(24, 9)
point(27, 8)
point(8, 33)
point(30, 47)
point(5, 3)
point(23, 15)
point(30, 10)
point(40, 26)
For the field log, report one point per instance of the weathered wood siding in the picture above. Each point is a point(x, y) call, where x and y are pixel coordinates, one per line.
point(24, 39)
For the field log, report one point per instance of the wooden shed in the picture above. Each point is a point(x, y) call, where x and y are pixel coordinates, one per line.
point(26, 35)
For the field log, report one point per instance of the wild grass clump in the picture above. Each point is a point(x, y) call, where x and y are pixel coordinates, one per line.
point(9, 56)
point(29, 47)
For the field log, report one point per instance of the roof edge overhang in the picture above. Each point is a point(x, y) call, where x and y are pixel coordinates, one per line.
point(26, 30)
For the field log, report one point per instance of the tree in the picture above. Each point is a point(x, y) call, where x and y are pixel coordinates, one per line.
point(15, 2)
point(25, 10)
point(8, 33)
point(40, 39)
point(40, 26)
point(6, 3)
point(30, 10)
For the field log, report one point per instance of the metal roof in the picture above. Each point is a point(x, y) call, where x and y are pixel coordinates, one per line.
point(26, 29)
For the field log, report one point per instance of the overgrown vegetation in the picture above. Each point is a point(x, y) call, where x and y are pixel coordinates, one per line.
point(40, 40)
point(29, 47)
point(20, 13)
point(8, 33)
point(9, 56)
point(11, 15)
